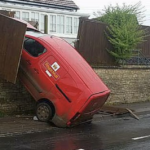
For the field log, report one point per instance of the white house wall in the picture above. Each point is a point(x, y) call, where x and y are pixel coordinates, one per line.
point(46, 11)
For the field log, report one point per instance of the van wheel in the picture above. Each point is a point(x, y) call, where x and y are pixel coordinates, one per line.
point(43, 112)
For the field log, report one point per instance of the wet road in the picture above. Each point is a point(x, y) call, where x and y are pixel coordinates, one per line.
point(123, 133)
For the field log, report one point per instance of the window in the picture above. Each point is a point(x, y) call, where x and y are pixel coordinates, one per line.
point(25, 16)
point(33, 47)
point(42, 22)
point(76, 24)
point(69, 25)
point(52, 23)
point(17, 14)
point(60, 24)
point(35, 17)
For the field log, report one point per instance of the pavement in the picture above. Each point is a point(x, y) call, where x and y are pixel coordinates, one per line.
point(16, 125)
point(137, 108)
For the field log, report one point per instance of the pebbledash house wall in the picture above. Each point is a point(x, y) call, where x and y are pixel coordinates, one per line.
point(127, 85)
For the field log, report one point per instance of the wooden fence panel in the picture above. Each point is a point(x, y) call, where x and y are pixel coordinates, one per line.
point(145, 46)
point(11, 39)
point(93, 43)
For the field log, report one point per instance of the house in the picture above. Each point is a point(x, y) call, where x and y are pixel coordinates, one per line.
point(63, 18)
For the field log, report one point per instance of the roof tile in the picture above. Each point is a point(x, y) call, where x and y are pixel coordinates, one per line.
point(65, 3)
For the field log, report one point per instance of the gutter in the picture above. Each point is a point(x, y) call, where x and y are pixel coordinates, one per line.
point(48, 10)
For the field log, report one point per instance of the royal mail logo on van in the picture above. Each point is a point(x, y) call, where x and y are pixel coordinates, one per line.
point(55, 66)
point(50, 71)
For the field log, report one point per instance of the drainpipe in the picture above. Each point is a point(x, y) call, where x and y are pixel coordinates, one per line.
point(46, 24)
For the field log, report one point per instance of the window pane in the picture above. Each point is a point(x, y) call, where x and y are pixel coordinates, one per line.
point(17, 14)
point(25, 16)
point(76, 24)
point(60, 24)
point(52, 23)
point(34, 17)
point(69, 25)
point(42, 23)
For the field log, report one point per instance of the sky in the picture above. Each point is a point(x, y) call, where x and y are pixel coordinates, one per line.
point(90, 6)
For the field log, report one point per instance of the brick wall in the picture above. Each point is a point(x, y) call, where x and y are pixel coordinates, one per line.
point(127, 85)
point(14, 99)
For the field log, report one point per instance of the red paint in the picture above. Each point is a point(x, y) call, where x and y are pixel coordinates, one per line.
point(75, 90)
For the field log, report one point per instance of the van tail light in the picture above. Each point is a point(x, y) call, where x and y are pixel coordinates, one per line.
point(76, 116)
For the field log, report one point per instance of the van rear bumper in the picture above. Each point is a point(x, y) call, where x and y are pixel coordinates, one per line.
point(91, 107)
point(85, 114)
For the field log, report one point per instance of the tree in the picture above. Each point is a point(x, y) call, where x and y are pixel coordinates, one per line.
point(123, 31)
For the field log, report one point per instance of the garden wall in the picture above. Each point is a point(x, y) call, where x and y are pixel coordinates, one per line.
point(127, 85)
point(14, 99)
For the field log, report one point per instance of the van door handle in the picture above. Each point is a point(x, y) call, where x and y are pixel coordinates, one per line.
point(36, 71)
point(28, 62)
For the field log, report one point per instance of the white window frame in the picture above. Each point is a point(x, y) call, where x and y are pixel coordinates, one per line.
point(59, 32)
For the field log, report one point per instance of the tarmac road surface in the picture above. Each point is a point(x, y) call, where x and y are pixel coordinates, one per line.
point(120, 133)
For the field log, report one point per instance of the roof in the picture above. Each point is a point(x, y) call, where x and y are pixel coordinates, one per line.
point(60, 3)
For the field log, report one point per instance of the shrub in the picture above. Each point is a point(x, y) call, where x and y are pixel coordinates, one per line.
point(123, 31)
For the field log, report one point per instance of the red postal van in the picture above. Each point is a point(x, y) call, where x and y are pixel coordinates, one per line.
point(66, 88)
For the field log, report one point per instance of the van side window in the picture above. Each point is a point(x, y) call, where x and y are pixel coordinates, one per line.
point(33, 47)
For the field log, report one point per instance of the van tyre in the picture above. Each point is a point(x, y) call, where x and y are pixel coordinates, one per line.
point(44, 112)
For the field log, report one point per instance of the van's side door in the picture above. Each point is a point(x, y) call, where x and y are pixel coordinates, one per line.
point(31, 73)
